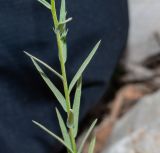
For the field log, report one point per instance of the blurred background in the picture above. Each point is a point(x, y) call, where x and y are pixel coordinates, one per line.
point(130, 115)
point(126, 67)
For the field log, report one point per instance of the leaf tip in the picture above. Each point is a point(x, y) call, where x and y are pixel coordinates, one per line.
point(34, 122)
point(56, 109)
point(99, 42)
point(27, 53)
point(96, 120)
point(45, 3)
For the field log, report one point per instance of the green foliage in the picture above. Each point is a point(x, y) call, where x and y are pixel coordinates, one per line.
point(44, 64)
point(53, 135)
point(70, 119)
point(83, 67)
point(63, 12)
point(45, 3)
point(92, 145)
point(63, 129)
point(69, 129)
point(62, 25)
point(86, 136)
point(53, 88)
point(76, 105)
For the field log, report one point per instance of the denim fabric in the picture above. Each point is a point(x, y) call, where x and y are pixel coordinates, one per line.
point(26, 25)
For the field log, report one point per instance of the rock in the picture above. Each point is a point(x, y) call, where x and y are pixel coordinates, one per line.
point(144, 140)
point(138, 129)
point(144, 30)
point(142, 60)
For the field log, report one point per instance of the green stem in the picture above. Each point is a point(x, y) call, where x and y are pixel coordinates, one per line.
point(74, 147)
point(60, 50)
point(63, 70)
point(54, 13)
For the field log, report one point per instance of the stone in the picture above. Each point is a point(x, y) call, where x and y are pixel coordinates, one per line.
point(144, 140)
point(138, 129)
point(144, 30)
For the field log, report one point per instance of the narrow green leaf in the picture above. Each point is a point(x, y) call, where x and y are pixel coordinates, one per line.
point(44, 64)
point(92, 145)
point(45, 3)
point(63, 11)
point(65, 21)
point(64, 50)
point(86, 136)
point(76, 105)
point(63, 129)
point(53, 88)
point(62, 27)
point(83, 66)
point(70, 119)
point(63, 32)
point(53, 135)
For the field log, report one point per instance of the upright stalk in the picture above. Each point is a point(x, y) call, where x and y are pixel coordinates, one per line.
point(63, 71)
point(69, 132)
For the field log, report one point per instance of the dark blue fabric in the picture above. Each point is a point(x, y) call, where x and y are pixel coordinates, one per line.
point(26, 25)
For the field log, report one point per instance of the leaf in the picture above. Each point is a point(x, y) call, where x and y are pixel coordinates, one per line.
point(63, 22)
point(44, 64)
point(86, 136)
point(63, 31)
point(63, 11)
point(64, 50)
point(70, 119)
point(92, 145)
point(83, 66)
point(53, 88)
point(76, 105)
point(62, 27)
point(45, 3)
point(53, 135)
point(63, 129)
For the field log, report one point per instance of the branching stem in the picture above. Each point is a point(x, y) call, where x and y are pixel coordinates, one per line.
point(63, 71)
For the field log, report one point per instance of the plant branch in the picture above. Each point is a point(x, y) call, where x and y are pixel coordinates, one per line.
point(63, 70)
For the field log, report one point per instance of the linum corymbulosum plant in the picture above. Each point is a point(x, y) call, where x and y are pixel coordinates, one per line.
point(68, 128)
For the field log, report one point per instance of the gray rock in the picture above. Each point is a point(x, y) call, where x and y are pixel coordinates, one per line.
point(144, 140)
point(139, 129)
point(144, 39)
point(144, 29)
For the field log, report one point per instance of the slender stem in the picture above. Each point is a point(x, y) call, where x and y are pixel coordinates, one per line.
point(54, 13)
point(74, 147)
point(60, 50)
point(66, 90)
point(63, 70)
